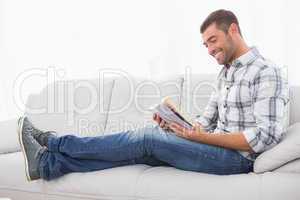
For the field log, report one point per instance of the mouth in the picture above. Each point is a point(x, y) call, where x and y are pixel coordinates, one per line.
point(217, 54)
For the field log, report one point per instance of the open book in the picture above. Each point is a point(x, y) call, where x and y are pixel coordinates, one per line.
point(168, 111)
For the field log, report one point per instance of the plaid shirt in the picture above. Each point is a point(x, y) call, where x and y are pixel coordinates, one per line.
point(250, 97)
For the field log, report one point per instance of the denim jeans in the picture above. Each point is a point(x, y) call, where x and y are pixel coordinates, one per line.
point(150, 145)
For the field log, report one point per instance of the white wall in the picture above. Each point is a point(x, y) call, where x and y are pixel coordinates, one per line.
point(147, 38)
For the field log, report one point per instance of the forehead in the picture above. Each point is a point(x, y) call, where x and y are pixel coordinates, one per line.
point(211, 30)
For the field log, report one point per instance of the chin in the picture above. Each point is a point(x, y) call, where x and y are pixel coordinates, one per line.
point(221, 62)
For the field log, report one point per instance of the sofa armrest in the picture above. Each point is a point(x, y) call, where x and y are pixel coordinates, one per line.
point(286, 151)
point(9, 137)
point(290, 167)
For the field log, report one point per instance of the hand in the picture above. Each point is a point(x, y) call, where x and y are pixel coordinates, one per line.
point(191, 134)
point(198, 127)
point(162, 123)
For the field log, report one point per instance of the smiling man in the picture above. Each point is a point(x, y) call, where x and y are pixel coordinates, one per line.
point(243, 118)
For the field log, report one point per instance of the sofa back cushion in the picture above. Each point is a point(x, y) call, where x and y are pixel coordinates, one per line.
point(294, 104)
point(81, 106)
point(9, 137)
point(197, 89)
point(133, 96)
point(71, 107)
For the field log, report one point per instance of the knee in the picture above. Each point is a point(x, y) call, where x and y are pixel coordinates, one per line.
point(147, 133)
point(154, 135)
point(147, 136)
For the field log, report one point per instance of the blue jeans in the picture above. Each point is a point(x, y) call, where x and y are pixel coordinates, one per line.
point(150, 145)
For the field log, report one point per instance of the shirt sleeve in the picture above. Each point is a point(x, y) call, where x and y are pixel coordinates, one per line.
point(270, 95)
point(210, 115)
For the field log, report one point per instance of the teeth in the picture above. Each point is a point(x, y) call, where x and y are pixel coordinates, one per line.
point(217, 53)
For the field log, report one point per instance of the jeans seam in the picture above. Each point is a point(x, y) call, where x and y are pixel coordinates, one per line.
point(104, 150)
point(59, 145)
point(41, 165)
point(197, 153)
point(204, 155)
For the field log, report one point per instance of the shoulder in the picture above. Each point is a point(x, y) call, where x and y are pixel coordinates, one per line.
point(264, 68)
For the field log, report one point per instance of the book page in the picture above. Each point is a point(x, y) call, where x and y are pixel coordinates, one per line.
point(170, 115)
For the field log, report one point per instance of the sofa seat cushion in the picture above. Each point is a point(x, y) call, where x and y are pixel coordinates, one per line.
point(171, 183)
point(144, 182)
point(12, 174)
point(279, 185)
point(116, 183)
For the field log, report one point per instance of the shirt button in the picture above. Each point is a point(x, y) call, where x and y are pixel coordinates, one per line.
point(223, 122)
point(227, 88)
point(225, 105)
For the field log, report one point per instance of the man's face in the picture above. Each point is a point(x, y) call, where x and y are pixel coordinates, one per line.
point(219, 44)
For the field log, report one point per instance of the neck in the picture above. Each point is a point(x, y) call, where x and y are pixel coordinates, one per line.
point(241, 49)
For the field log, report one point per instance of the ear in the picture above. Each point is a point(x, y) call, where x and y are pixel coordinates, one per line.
point(233, 29)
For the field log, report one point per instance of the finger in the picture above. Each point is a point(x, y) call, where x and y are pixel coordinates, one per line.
point(178, 132)
point(157, 118)
point(154, 117)
point(174, 130)
point(198, 125)
point(166, 128)
point(177, 126)
point(163, 123)
point(195, 127)
point(177, 129)
point(183, 131)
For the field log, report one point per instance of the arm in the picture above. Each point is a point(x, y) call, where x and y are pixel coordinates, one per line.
point(235, 141)
point(270, 96)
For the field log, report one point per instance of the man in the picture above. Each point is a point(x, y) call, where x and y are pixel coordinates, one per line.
point(242, 119)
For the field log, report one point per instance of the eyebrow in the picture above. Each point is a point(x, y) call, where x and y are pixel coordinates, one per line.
point(211, 37)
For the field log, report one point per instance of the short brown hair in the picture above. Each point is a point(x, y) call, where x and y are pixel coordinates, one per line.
point(222, 18)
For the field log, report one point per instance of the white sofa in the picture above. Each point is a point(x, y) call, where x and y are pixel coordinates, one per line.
point(69, 111)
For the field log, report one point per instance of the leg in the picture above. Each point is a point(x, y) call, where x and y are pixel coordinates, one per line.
point(41, 163)
point(69, 154)
point(53, 165)
point(154, 142)
point(193, 156)
point(116, 147)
